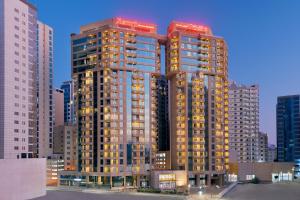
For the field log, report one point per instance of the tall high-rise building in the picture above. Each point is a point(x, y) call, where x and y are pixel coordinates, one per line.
point(45, 108)
point(243, 122)
point(288, 128)
point(115, 65)
point(127, 111)
point(18, 63)
point(198, 102)
point(262, 147)
point(69, 108)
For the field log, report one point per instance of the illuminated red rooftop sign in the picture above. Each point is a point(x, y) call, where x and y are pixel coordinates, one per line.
point(134, 25)
point(190, 28)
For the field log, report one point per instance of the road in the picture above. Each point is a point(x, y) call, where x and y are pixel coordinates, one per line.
point(282, 191)
point(73, 195)
point(286, 191)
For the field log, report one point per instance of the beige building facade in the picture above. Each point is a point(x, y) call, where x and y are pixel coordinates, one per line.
point(244, 123)
point(59, 107)
point(70, 147)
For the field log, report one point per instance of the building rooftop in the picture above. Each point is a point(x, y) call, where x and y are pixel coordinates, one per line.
point(119, 22)
point(189, 28)
point(288, 96)
point(29, 4)
point(234, 85)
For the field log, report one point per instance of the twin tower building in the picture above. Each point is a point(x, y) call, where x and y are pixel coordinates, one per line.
point(150, 104)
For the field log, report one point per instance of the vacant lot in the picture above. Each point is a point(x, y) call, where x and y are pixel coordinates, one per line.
point(286, 191)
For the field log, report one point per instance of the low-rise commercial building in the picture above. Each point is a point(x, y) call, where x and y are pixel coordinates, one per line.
point(54, 166)
point(264, 171)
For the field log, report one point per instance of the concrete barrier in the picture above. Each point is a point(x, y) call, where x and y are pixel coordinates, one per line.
point(22, 178)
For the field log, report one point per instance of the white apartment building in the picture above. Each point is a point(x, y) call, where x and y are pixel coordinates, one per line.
point(18, 41)
point(45, 100)
point(243, 122)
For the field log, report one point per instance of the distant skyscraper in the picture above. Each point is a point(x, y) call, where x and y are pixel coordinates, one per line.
point(288, 128)
point(243, 122)
point(272, 153)
point(58, 107)
point(262, 147)
point(69, 108)
point(45, 108)
point(58, 133)
point(18, 63)
point(58, 140)
point(198, 89)
point(70, 147)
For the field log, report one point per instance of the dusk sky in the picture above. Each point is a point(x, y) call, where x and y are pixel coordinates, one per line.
point(263, 37)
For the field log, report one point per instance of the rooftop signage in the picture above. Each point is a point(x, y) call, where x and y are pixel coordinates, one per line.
point(134, 25)
point(192, 28)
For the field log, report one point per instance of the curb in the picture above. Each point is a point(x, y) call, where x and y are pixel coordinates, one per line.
point(226, 190)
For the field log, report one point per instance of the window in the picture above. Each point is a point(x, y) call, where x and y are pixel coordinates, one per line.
point(250, 177)
point(79, 41)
